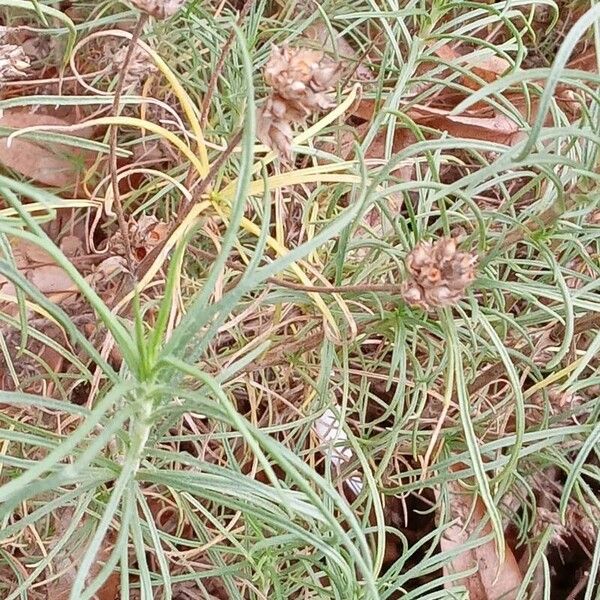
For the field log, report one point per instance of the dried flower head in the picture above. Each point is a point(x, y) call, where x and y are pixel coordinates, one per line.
point(439, 274)
point(301, 77)
point(145, 233)
point(139, 68)
point(548, 518)
point(160, 9)
point(13, 61)
point(594, 217)
point(577, 523)
point(273, 131)
point(300, 80)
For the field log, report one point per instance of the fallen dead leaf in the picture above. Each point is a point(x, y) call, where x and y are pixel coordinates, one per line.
point(41, 271)
point(365, 109)
point(50, 279)
point(31, 368)
point(488, 68)
point(71, 245)
point(55, 166)
point(587, 61)
point(493, 580)
point(403, 138)
point(499, 128)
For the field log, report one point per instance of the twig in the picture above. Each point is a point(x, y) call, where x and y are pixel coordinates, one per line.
point(338, 289)
point(212, 84)
point(318, 289)
point(114, 130)
point(280, 354)
point(186, 205)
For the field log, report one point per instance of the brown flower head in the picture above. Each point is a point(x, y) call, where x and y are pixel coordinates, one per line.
point(273, 131)
point(577, 523)
point(145, 233)
point(299, 79)
point(13, 61)
point(594, 217)
point(160, 9)
point(439, 274)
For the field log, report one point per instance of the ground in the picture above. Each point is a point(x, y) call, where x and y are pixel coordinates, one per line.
point(299, 299)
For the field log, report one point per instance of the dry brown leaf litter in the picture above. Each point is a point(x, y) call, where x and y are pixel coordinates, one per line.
point(114, 259)
point(31, 370)
point(438, 274)
point(41, 271)
point(576, 523)
point(487, 67)
point(320, 34)
point(67, 562)
point(300, 82)
point(556, 401)
point(54, 165)
point(14, 62)
point(594, 217)
point(145, 233)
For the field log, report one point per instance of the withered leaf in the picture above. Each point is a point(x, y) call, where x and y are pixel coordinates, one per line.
point(493, 580)
point(499, 128)
point(318, 32)
point(40, 269)
point(488, 68)
point(53, 165)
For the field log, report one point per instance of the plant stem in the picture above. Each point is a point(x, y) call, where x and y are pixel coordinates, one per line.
point(113, 166)
point(339, 289)
point(212, 84)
